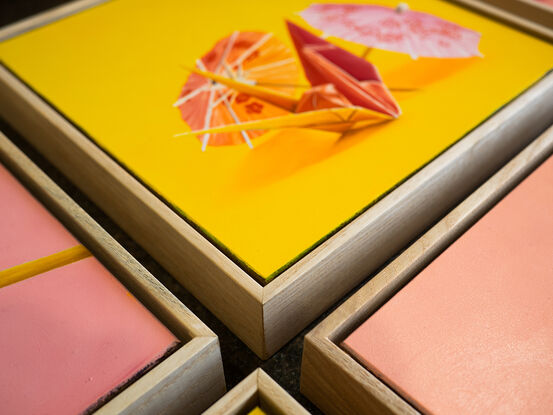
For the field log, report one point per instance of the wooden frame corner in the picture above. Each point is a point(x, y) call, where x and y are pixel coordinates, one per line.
point(258, 389)
point(192, 375)
point(330, 377)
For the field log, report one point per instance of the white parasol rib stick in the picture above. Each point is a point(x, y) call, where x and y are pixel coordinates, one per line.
point(209, 112)
point(230, 44)
point(237, 121)
point(252, 49)
point(191, 95)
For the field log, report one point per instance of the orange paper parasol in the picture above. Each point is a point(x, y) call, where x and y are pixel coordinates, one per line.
point(253, 58)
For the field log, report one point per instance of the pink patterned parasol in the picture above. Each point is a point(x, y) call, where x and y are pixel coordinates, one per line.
point(402, 30)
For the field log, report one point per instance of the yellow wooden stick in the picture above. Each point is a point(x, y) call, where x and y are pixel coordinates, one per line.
point(284, 101)
point(321, 119)
point(38, 266)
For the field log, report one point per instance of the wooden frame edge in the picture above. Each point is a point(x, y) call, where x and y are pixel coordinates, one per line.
point(325, 364)
point(47, 16)
point(528, 16)
point(97, 240)
point(301, 293)
point(200, 350)
point(182, 383)
point(189, 257)
point(260, 389)
point(239, 399)
point(274, 397)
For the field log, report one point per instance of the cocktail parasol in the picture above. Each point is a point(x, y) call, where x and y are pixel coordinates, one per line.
point(402, 30)
point(252, 58)
point(346, 92)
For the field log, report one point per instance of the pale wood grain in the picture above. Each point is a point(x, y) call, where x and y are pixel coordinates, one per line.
point(275, 400)
point(190, 377)
point(333, 379)
point(184, 384)
point(240, 399)
point(258, 389)
point(46, 17)
point(527, 15)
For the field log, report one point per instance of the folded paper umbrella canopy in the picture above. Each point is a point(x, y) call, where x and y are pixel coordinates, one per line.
point(252, 58)
point(399, 30)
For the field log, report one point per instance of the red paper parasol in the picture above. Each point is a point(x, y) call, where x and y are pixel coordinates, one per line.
point(249, 57)
point(400, 30)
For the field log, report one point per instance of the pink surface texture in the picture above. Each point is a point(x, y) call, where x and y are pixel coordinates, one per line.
point(473, 332)
point(70, 336)
point(27, 230)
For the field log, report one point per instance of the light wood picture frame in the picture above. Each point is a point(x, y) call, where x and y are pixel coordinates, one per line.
point(192, 376)
point(528, 15)
point(257, 390)
point(330, 377)
point(265, 317)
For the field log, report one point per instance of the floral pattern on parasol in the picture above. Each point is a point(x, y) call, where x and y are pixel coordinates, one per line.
point(401, 30)
point(253, 58)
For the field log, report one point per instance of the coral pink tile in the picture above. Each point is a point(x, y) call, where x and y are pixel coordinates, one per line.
point(473, 332)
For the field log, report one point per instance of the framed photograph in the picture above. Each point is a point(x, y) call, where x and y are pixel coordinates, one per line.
point(504, 293)
point(88, 329)
point(272, 156)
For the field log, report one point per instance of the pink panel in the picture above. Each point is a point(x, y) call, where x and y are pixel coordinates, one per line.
point(27, 230)
point(69, 337)
point(473, 332)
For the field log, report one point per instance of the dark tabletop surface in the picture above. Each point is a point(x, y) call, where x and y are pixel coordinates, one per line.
point(238, 360)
